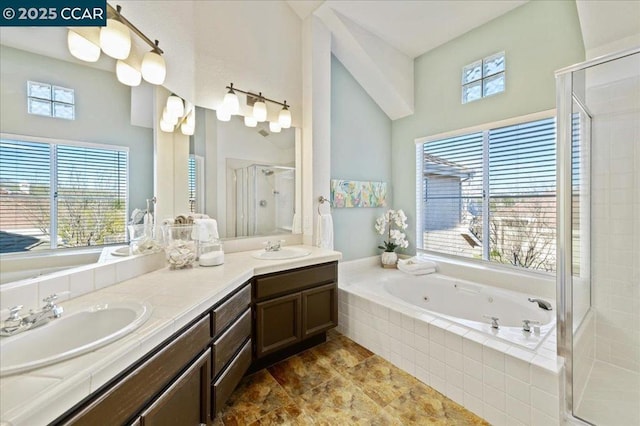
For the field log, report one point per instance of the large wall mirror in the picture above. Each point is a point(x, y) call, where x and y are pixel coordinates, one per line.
point(77, 145)
point(247, 178)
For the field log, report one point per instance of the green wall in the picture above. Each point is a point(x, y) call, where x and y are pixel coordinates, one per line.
point(537, 38)
point(360, 150)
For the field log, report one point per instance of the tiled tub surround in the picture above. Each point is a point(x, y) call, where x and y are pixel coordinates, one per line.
point(177, 297)
point(501, 382)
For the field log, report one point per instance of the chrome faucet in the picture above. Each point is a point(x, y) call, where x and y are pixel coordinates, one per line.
point(275, 246)
point(15, 324)
point(543, 304)
point(526, 325)
point(494, 321)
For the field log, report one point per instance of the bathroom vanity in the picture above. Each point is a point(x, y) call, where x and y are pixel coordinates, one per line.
point(208, 328)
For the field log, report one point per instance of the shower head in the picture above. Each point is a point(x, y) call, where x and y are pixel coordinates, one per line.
point(267, 172)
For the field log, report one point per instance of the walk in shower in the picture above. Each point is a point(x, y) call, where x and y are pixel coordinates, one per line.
point(599, 238)
point(263, 200)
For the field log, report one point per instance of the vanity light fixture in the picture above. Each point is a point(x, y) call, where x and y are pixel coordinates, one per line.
point(115, 40)
point(284, 119)
point(260, 109)
point(230, 106)
point(274, 126)
point(84, 43)
point(249, 121)
point(230, 102)
point(176, 114)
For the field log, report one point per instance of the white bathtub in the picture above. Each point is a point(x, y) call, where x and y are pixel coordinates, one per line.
point(463, 302)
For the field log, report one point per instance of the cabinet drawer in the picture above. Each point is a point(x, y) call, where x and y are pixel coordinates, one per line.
point(224, 314)
point(186, 401)
point(230, 341)
point(224, 386)
point(124, 400)
point(287, 282)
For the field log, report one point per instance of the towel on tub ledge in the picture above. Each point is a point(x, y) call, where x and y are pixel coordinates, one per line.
point(416, 266)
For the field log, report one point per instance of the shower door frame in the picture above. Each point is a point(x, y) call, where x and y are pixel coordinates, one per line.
point(564, 273)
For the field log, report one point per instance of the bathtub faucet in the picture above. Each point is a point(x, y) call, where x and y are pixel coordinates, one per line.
point(16, 324)
point(542, 304)
point(494, 321)
point(526, 326)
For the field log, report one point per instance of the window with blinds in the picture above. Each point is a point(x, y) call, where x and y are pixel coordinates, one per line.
point(504, 174)
point(57, 195)
point(192, 184)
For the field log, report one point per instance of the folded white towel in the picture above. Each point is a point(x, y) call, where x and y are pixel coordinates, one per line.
point(324, 231)
point(167, 222)
point(416, 266)
point(205, 230)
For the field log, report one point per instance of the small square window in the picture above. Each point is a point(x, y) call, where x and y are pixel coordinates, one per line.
point(65, 111)
point(483, 78)
point(493, 64)
point(471, 92)
point(472, 72)
point(50, 101)
point(39, 90)
point(39, 107)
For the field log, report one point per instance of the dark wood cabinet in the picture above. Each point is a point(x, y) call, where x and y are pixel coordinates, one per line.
point(319, 309)
point(291, 307)
point(176, 383)
point(186, 401)
point(278, 323)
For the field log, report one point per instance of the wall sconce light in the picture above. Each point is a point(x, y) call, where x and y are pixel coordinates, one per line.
point(175, 115)
point(115, 40)
point(231, 106)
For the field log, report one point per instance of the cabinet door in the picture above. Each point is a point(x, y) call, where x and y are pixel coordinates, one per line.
point(186, 401)
point(278, 323)
point(319, 309)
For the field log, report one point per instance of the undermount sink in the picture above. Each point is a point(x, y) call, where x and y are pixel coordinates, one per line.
point(71, 335)
point(282, 254)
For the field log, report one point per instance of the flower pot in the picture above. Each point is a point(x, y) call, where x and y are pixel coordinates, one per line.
point(389, 259)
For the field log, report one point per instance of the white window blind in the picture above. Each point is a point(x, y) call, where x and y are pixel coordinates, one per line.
point(57, 195)
point(192, 184)
point(506, 174)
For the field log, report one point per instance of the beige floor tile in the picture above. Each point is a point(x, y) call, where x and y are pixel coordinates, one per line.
point(302, 372)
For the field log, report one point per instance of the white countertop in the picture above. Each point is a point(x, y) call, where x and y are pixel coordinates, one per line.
point(177, 297)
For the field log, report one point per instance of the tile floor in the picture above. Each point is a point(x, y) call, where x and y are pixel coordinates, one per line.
point(339, 383)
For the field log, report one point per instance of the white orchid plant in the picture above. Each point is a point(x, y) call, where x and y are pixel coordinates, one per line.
point(392, 223)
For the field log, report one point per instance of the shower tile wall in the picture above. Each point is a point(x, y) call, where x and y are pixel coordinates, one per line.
point(615, 106)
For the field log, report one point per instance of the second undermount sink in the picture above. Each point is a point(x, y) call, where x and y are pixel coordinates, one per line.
point(73, 334)
point(282, 254)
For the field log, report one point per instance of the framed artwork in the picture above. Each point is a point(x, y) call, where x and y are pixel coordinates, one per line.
point(353, 193)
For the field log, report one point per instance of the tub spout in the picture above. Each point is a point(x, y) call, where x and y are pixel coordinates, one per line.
point(543, 304)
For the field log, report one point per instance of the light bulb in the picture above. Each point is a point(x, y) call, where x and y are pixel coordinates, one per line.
point(274, 126)
point(154, 69)
point(166, 127)
point(250, 121)
point(284, 118)
point(127, 74)
point(115, 39)
point(186, 129)
point(175, 106)
point(168, 117)
point(231, 103)
point(222, 114)
point(86, 46)
point(191, 119)
point(260, 111)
